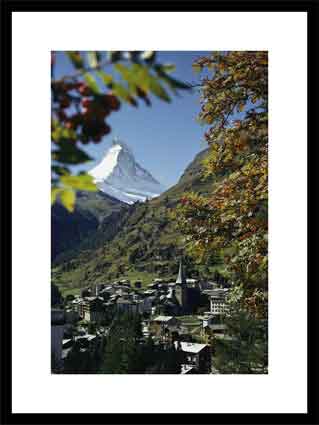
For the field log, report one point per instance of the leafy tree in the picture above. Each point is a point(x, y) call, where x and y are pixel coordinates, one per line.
point(165, 361)
point(92, 327)
point(122, 353)
point(233, 219)
point(82, 101)
point(113, 354)
point(246, 348)
point(80, 361)
point(133, 255)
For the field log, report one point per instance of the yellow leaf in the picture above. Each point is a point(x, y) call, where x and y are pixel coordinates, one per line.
point(67, 197)
point(81, 182)
point(209, 119)
point(54, 193)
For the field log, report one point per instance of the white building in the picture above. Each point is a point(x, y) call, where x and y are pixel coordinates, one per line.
point(217, 305)
point(217, 300)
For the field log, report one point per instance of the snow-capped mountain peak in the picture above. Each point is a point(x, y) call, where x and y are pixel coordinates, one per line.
point(119, 175)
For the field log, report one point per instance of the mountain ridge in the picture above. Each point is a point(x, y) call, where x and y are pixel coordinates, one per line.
point(119, 175)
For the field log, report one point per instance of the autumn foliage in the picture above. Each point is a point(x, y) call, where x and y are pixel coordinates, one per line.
point(234, 218)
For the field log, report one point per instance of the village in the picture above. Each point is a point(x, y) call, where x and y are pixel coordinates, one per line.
point(186, 315)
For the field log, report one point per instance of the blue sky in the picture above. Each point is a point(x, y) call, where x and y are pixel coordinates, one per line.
point(165, 137)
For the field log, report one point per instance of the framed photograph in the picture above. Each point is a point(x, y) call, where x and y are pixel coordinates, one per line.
point(156, 212)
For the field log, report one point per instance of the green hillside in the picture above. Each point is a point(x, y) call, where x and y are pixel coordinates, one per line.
point(142, 243)
point(68, 230)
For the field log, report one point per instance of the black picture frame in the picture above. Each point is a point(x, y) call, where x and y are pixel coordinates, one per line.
point(7, 8)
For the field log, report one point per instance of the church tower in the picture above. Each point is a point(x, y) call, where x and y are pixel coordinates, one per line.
point(181, 288)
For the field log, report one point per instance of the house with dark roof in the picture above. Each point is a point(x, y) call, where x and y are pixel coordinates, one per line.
point(163, 326)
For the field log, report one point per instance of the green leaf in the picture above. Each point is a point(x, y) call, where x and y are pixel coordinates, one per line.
point(80, 182)
point(106, 78)
point(91, 82)
point(123, 71)
point(168, 67)
point(59, 170)
point(141, 76)
point(68, 153)
point(63, 133)
point(67, 197)
point(136, 76)
point(177, 84)
point(170, 81)
point(76, 59)
point(121, 92)
point(68, 133)
point(158, 90)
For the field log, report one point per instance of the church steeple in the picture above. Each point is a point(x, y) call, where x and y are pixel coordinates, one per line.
point(181, 275)
point(181, 291)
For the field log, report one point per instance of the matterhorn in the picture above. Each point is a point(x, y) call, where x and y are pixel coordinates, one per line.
point(120, 176)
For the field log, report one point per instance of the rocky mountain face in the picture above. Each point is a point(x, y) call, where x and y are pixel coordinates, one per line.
point(120, 176)
point(142, 241)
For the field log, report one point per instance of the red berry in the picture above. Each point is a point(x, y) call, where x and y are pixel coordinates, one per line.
point(85, 89)
point(77, 118)
point(96, 138)
point(105, 129)
point(102, 112)
point(73, 86)
point(99, 109)
point(86, 102)
point(112, 101)
point(87, 115)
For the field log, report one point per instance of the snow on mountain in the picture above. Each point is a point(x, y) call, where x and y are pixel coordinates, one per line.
point(119, 175)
